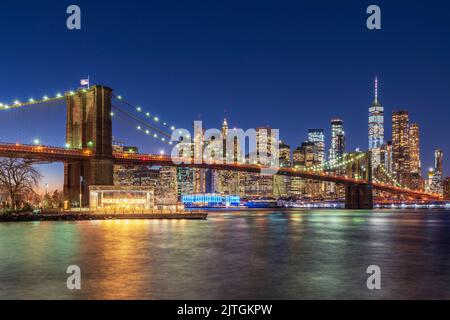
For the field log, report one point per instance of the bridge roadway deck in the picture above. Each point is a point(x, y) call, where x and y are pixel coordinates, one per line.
point(50, 153)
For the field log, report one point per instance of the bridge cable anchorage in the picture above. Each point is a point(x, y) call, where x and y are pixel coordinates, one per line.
point(166, 137)
point(32, 101)
point(147, 114)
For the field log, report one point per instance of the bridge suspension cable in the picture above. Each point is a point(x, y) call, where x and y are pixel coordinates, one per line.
point(389, 176)
point(146, 128)
point(32, 101)
point(147, 114)
point(338, 163)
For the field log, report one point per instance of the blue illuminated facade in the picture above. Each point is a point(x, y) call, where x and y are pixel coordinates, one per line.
point(209, 200)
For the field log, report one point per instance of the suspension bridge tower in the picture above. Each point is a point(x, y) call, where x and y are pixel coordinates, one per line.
point(360, 196)
point(88, 127)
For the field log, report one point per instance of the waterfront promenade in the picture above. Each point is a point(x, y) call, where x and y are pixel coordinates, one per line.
point(79, 216)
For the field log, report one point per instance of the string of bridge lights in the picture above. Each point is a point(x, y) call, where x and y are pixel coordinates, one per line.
point(376, 180)
point(154, 135)
point(59, 96)
point(31, 101)
point(390, 176)
point(147, 114)
point(164, 137)
point(46, 98)
point(158, 134)
point(146, 128)
point(337, 163)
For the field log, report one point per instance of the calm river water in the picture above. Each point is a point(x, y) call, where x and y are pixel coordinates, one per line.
point(295, 254)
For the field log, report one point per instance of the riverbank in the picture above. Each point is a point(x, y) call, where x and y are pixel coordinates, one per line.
point(77, 216)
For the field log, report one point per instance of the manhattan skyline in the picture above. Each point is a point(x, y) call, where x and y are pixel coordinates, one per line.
point(293, 73)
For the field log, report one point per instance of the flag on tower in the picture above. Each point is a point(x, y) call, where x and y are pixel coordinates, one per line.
point(84, 82)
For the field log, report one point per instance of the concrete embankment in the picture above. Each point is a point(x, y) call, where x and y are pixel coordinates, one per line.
point(73, 216)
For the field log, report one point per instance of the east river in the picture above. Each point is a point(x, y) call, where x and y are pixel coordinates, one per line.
point(292, 254)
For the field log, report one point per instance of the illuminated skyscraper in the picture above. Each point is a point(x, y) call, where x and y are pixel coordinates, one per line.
point(386, 155)
point(224, 128)
point(281, 183)
point(146, 177)
point(224, 132)
point(337, 139)
point(199, 179)
point(436, 182)
point(308, 155)
point(400, 146)
point(296, 183)
point(307, 158)
point(376, 122)
point(167, 190)
point(284, 152)
point(231, 141)
point(123, 174)
point(376, 129)
point(296, 156)
point(266, 144)
point(318, 137)
point(185, 181)
point(229, 182)
point(429, 180)
point(414, 149)
point(438, 162)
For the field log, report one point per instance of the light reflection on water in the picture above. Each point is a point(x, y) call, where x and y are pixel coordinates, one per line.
point(232, 255)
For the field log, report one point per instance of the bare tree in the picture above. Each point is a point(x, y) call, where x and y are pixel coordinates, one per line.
point(57, 199)
point(18, 177)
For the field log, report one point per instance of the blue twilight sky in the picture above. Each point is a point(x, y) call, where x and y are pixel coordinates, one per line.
point(290, 64)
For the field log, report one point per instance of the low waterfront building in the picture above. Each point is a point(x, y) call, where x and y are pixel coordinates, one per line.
point(121, 198)
point(210, 200)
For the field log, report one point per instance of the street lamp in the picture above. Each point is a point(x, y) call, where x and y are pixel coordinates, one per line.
point(81, 194)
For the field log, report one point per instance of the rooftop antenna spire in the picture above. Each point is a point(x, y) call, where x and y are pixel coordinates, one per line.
point(376, 89)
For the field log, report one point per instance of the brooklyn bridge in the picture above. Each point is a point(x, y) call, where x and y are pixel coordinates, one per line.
point(89, 157)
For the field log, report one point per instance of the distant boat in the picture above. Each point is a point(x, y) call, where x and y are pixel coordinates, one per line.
point(262, 203)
